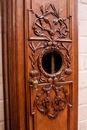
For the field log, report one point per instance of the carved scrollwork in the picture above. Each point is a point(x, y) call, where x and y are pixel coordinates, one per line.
point(47, 104)
point(57, 25)
point(55, 29)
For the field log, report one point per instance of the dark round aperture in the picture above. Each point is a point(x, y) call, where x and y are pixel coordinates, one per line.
point(51, 62)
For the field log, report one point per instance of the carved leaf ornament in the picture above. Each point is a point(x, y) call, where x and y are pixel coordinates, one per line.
point(60, 23)
point(55, 30)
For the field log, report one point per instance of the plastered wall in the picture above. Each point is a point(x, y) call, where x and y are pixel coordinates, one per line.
point(82, 106)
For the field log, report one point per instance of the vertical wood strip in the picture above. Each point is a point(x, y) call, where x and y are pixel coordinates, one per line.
point(14, 31)
point(5, 64)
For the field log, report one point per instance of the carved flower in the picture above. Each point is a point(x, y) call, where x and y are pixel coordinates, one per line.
point(56, 100)
point(46, 102)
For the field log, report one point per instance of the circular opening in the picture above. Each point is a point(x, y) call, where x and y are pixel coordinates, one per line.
point(51, 62)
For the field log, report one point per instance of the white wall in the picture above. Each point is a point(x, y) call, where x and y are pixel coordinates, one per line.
point(82, 21)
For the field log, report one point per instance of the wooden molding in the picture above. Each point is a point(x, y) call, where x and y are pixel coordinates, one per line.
point(13, 64)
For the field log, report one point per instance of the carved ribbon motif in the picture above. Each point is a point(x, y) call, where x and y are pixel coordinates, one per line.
point(55, 30)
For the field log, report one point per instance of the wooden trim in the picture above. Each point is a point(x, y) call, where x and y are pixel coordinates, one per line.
point(5, 64)
point(13, 63)
point(76, 64)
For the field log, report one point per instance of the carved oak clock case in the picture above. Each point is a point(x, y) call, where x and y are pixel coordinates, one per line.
point(43, 84)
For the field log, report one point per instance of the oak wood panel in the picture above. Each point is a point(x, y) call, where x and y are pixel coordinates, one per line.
point(69, 9)
point(17, 35)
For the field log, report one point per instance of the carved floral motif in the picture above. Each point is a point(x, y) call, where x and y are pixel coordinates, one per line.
point(57, 104)
point(55, 30)
point(57, 25)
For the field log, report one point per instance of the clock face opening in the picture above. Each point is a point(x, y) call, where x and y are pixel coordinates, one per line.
point(52, 61)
